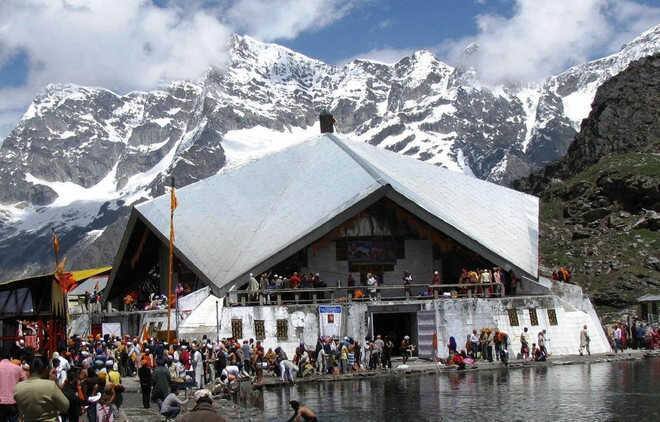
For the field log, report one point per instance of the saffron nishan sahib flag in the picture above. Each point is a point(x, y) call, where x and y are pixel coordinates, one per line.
point(173, 201)
point(56, 243)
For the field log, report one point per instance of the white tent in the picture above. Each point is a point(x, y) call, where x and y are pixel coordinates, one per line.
point(250, 218)
point(202, 320)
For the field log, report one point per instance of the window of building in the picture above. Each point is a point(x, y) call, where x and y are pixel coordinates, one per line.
point(513, 317)
point(282, 329)
point(259, 329)
point(237, 328)
point(552, 317)
point(534, 319)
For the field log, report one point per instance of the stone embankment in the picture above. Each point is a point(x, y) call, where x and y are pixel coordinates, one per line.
point(417, 366)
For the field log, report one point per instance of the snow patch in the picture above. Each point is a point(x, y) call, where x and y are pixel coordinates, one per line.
point(244, 145)
point(150, 147)
point(577, 105)
point(529, 97)
point(162, 122)
point(69, 192)
point(92, 235)
point(462, 163)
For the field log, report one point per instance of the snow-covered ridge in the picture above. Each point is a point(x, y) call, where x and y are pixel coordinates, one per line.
point(80, 155)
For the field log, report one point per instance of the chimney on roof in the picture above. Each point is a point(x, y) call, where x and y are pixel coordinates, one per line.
point(327, 122)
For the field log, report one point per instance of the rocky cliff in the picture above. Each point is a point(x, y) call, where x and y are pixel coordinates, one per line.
point(81, 156)
point(601, 202)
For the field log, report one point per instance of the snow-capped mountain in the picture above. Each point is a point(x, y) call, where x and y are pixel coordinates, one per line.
point(80, 155)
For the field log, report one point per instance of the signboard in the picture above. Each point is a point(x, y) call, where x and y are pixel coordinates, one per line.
point(330, 321)
point(113, 329)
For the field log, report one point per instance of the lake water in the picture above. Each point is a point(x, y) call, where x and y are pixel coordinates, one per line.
point(613, 391)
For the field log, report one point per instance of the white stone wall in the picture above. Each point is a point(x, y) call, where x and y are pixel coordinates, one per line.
point(454, 317)
point(302, 324)
point(459, 317)
point(354, 323)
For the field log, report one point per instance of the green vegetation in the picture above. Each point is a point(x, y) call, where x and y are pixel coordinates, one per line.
point(611, 256)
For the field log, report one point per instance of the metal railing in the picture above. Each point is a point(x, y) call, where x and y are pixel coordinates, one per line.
point(346, 294)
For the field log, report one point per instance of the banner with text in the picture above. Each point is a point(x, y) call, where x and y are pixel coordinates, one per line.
point(330, 321)
point(113, 329)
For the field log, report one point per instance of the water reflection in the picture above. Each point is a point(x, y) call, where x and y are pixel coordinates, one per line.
point(590, 392)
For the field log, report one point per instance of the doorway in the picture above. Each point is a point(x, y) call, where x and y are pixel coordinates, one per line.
point(396, 326)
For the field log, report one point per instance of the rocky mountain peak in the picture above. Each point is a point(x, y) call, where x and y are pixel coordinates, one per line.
point(81, 155)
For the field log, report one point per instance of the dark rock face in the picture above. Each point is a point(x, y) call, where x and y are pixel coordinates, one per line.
point(81, 156)
point(600, 202)
point(624, 117)
point(556, 128)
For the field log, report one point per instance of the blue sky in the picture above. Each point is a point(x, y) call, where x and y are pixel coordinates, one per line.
point(412, 24)
point(141, 44)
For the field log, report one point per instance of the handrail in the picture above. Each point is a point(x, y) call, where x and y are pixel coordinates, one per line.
point(343, 294)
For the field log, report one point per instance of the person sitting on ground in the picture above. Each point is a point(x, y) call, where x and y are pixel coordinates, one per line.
point(301, 413)
point(203, 410)
point(457, 359)
point(538, 353)
point(467, 359)
point(171, 406)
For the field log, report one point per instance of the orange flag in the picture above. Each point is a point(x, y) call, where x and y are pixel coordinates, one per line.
point(56, 243)
point(66, 281)
point(173, 202)
point(63, 278)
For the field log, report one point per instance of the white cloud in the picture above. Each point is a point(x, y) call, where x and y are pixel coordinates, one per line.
point(383, 55)
point(285, 19)
point(635, 18)
point(543, 38)
point(138, 45)
point(96, 43)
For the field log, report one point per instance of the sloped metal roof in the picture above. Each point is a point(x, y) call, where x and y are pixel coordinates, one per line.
point(249, 218)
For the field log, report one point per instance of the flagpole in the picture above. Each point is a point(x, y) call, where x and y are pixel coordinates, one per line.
point(171, 263)
point(50, 329)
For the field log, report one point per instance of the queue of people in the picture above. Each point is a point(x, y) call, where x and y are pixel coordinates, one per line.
point(333, 356)
point(636, 335)
point(493, 344)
